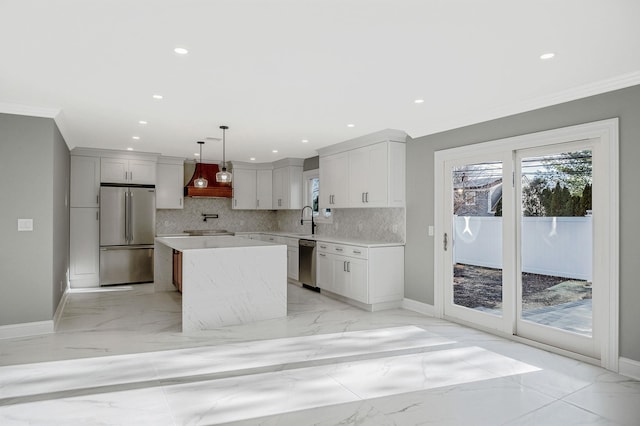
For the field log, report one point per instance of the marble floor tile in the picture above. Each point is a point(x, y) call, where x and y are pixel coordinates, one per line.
point(118, 358)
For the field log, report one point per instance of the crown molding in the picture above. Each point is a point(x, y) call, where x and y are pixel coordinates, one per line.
point(579, 92)
point(29, 110)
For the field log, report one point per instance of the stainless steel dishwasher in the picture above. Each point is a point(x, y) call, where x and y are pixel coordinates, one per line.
point(307, 264)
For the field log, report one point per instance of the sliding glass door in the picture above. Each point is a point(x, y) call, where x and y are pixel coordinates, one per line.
point(526, 238)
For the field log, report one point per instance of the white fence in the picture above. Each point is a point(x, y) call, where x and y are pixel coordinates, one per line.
point(558, 246)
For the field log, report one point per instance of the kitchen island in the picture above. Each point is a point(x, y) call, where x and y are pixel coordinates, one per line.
point(226, 280)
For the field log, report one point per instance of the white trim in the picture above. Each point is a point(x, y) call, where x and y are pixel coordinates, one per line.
point(563, 96)
point(26, 329)
point(366, 140)
point(59, 310)
point(607, 132)
point(28, 110)
point(629, 368)
point(419, 307)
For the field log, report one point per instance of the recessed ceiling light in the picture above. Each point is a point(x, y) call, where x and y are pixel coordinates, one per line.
point(252, 159)
point(546, 56)
point(275, 151)
point(136, 138)
point(157, 96)
point(351, 125)
point(142, 122)
point(305, 140)
point(129, 149)
point(418, 101)
point(196, 154)
point(181, 50)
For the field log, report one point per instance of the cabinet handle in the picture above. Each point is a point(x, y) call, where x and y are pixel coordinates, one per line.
point(366, 197)
point(357, 252)
point(98, 199)
point(235, 203)
point(180, 201)
point(322, 254)
point(363, 197)
point(323, 246)
point(97, 215)
point(257, 203)
point(338, 249)
point(348, 266)
point(445, 242)
point(344, 266)
point(131, 176)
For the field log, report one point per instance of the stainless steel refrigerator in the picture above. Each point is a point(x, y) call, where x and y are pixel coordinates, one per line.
point(127, 231)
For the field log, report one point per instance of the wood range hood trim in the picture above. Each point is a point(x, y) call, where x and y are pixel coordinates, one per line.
point(214, 189)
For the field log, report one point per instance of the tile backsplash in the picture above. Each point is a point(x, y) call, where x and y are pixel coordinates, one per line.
point(190, 217)
point(380, 224)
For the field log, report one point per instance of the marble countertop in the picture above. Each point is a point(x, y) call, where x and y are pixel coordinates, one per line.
point(208, 242)
point(325, 239)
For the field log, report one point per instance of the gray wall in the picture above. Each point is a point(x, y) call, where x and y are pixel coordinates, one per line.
point(624, 104)
point(34, 169)
point(60, 219)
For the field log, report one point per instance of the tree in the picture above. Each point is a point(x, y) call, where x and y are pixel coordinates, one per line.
point(532, 197)
point(572, 169)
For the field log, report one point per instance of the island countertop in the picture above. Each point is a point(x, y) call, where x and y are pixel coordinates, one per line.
point(183, 243)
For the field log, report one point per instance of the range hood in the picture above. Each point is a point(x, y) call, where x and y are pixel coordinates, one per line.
point(214, 190)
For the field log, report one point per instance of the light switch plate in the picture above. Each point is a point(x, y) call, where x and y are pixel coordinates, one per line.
point(430, 231)
point(25, 224)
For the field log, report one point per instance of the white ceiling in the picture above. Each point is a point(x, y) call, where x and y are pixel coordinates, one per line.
point(280, 71)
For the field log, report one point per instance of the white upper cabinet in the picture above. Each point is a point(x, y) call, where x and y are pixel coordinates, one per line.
point(365, 172)
point(333, 180)
point(127, 170)
point(244, 189)
point(264, 189)
point(170, 183)
point(85, 181)
point(287, 184)
point(368, 176)
point(252, 186)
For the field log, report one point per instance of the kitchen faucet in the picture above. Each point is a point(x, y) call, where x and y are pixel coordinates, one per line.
point(313, 224)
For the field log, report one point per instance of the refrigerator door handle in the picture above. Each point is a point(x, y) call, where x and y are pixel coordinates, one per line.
point(130, 214)
point(126, 217)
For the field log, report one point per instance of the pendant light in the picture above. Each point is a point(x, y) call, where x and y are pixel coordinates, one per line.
point(224, 176)
point(200, 182)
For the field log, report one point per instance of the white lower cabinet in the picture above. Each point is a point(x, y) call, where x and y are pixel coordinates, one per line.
point(84, 247)
point(292, 262)
point(371, 277)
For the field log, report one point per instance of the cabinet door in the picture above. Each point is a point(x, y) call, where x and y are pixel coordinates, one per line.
point(292, 263)
point(264, 189)
point(279, 184)
point(114, 170)
point(244, 189)
point(377, 186)
point(334, 181)
point(85, 181)
point(340, 276)
point(142, 172)
point(84, 244)
point(358, 283)
point(169, 186)
point(324, 272)
point(368, 176)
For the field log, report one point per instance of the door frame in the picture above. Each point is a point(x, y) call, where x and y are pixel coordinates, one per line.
point(607, 132)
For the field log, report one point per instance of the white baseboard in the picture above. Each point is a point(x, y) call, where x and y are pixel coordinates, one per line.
point(422, 308)
point(26, 329)
point(628, 367)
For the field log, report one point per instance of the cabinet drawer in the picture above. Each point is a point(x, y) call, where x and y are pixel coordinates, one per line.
point(351, 251)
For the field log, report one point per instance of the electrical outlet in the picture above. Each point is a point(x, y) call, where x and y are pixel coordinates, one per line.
point(430, 231)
